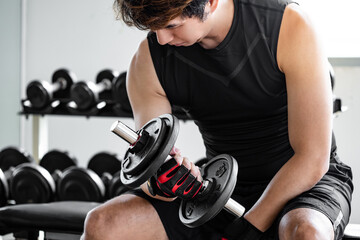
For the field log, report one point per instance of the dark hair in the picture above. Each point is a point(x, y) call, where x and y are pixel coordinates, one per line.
point(155, 14)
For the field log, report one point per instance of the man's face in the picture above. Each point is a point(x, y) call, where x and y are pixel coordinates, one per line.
point(182, 32)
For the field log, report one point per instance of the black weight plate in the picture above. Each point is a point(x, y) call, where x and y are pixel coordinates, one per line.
point(12, 156)
point(82, 95)
point(119, 92)
point(57, 160)
point(31, 183)
point(134, 163)
point(158, 155)
point(106, 74)
point(80, 184)
point(66, 75)
point(201, 162)
point(4, 189)
point(222, 170)
point(116, 187)
point(106, 77)
point(37, 94)
point(104, 162)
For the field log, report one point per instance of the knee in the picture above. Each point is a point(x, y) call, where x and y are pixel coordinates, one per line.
point(94, 224)
point(305, 230)
point(303, 227)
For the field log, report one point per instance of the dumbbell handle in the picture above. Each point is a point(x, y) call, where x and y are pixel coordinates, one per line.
point(234, 207)
point(101, 86)
point(52, 87)
point(124, 132)
point(131, 137)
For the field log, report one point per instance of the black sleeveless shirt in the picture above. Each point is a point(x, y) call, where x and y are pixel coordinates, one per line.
point(235, 93)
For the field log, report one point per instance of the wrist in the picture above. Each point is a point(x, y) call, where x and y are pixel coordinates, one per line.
point(155, 191)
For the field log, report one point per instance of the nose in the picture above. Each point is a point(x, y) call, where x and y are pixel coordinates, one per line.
point(164, 36)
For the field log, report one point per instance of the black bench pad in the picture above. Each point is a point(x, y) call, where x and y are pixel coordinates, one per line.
point(67, 216)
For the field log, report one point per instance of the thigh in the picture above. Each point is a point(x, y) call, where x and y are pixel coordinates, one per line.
point(124, 217)
point(168, 213)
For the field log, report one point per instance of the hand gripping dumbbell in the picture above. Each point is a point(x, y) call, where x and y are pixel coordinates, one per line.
point(11, 189)
point(86, 95)
point(42, 94)
point(96, 183)
point(149, 149)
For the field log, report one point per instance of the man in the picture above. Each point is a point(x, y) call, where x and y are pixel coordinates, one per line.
point(255, 79)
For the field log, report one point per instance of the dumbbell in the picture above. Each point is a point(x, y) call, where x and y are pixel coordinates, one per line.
point(4, 189)
point(148, 151)
point(119, 93)
point(108, 165)
point(337, 103)
point(42, 94)
point(95, 183)
point(39, 181)
point(332, 75)
point(86, 94)
point(201, 162)
point(11, 159)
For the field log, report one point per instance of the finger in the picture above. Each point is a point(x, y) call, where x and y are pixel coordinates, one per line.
point(195, 171)
point(175, 151)
point(186, 162)
point(179, 159)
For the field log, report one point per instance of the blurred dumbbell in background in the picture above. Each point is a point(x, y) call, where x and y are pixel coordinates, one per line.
point(43, 94)
point(120, 96)
point(89, 96)
point(96, 183)
point(11, 187)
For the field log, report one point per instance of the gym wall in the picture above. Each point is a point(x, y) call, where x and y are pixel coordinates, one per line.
point(346, 126)
point(10, 29)
point(83, 36)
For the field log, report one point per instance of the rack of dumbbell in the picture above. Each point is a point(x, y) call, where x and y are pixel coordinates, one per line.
point(57, 181)
point(66, 95)
point(57, 177)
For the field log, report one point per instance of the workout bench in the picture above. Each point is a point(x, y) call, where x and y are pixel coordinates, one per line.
point(58, 220)
point(65, 220)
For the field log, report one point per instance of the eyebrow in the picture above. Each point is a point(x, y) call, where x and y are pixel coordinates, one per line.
point(171, 26)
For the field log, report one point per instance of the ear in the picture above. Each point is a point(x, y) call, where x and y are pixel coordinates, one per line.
point(213, 5)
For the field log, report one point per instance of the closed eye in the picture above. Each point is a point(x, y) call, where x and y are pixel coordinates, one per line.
point(171, 26)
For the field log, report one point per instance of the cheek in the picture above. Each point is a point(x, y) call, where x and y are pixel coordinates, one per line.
point(191, 33)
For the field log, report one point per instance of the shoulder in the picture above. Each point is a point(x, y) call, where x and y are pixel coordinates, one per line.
point(297, 35)
point(141, 60)
point(142, 72)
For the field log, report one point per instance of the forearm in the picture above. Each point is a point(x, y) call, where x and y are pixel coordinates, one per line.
point(298, 175)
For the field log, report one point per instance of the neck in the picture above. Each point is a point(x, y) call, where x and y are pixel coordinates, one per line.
point(220, 23)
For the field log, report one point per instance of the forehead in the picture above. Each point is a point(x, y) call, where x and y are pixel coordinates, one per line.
point(175, 21)
point(181, 20)
point(172, 23)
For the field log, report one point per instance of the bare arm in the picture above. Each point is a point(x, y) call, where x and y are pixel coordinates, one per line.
point(304, 64)
point(147, 97)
